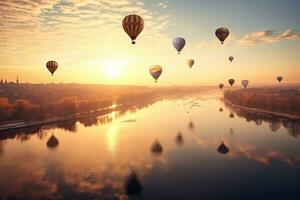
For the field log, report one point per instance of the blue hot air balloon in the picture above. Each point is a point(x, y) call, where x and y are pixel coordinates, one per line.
point(179, 43)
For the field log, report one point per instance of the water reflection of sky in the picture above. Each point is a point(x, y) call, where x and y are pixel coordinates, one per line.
point(110, 157)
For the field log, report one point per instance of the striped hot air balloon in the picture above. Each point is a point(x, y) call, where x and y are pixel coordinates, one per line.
point(52, 66)
point(133, 26)
point(155, 71)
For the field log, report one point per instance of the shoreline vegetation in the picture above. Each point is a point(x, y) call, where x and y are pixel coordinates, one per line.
point(28, 105)
point(261, 111)
point(276, 101)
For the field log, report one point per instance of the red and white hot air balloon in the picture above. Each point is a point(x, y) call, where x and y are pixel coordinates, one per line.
point(133, 26)
point(52, 66)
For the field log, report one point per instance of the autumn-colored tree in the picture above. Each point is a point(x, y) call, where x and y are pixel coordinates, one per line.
point(68, 106)
point(5, 108)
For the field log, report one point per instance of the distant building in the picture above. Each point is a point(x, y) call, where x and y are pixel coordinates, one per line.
point(5, 82)
point(1, 82)
point(17, 81)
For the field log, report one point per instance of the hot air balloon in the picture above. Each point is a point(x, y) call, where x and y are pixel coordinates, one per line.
point(52, 66)
point(133, 26)
point(179, 139)
point(231, 58)
point(279, 78)
point(156, 147)
point(179, 43)
point(222, 33)
point(155, 71)
point(221, 85)
point(191, 125)
point(231, 81)
point(245, 83)
point(52, 142)
point(190, 62)
point(133, 185)
point(223, 149)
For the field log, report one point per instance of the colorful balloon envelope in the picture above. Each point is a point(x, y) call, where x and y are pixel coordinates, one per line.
point(279, 78)
point(190, 62)
point(222, 33)
point(52, 66)
point(221, 85)
point(231, 82)
point(245, 83)
point(179, 43)
point(155, 71)
point(133, 25)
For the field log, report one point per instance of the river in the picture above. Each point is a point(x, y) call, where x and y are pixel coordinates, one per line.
point(189, 147)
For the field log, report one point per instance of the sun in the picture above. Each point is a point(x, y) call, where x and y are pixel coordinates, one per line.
point(112, 72)
point(112, 67)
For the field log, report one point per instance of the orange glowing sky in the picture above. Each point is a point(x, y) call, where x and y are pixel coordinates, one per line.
point(86, 38)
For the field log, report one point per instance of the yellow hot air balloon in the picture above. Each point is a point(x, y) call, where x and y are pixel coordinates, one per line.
point(190, 62)
point(155, 71)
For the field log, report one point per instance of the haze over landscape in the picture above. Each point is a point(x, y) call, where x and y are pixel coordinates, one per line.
point(149, 99)
point(87, 40)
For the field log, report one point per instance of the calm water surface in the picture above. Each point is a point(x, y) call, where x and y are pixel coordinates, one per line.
point(139, 154)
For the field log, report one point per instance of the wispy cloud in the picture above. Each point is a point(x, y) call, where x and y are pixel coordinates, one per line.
point(163, 4)
point(267, 36)
point(44, 25)
point(260, 37)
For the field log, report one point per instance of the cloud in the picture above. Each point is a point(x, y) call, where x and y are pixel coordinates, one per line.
point(163, 4)
point(251, 152)
point(71, 25)
point(267, 36)
point(263, 156)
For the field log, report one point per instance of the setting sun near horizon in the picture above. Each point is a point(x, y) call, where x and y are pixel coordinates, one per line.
point(90, 44)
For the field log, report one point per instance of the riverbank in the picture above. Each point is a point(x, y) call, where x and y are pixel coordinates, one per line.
point(261, 111)
point(78, 116)
point(283, 101)
point(96, 113)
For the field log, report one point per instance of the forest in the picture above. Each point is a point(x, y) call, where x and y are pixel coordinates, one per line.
point(275, 99)
point(35, 102)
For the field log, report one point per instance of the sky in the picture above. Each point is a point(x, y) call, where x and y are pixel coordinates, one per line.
point(87, 40)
